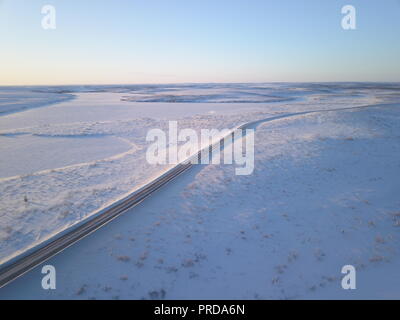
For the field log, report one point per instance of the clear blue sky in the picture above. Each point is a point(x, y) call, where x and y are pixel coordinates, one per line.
point(165, 41)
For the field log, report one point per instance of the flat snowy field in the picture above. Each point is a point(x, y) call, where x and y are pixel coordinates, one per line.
point(324, 192)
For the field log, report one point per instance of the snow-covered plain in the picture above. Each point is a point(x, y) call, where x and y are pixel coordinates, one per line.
point(323, 193)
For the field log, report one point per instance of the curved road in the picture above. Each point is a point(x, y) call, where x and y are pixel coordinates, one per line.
point(21, 264)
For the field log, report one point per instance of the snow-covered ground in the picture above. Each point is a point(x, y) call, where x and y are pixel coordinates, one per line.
point(323, 193)
point(16, 99)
